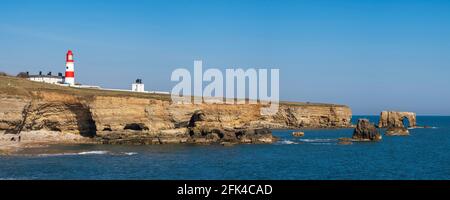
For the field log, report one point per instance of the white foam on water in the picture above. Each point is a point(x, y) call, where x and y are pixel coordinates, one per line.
point(92, 152)
point(411, 128)
point(8, 179)
point(287, 142)
point(87, 153)
point(56, 154)
point(310, 141)
point(74, 154)
point(317, 140)
point(130, 153)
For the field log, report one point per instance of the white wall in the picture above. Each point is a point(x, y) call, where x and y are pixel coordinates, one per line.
point(51, 80)
point(137, 87)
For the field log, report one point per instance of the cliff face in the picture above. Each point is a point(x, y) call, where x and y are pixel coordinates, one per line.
point(108, 115)
point(46, 111)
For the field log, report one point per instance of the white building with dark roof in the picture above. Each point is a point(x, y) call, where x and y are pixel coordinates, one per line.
point(138, 86)
point(49, 78)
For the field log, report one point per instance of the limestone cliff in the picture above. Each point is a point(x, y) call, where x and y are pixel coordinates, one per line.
point(28, 105)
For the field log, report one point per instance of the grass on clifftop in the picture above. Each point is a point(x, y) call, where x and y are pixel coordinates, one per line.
point(23, 87)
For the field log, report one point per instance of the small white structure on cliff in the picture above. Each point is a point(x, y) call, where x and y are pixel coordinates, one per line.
point(138, 86)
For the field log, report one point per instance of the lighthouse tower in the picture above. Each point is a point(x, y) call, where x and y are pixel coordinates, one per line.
point(70, 72)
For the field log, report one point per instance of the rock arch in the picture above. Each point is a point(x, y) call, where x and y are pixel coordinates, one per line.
point(395, 119)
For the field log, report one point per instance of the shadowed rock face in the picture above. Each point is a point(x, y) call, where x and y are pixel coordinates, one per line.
point(197, 116)
point(70, 117)
point(136, 127)
point(201, 131)
point(84, 119)
point(366, 131)
point(396, 119)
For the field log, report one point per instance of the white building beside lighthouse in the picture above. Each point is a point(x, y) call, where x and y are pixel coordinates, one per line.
point(49, 78)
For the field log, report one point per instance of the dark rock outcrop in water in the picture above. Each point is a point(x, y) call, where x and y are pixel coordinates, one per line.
point(201, 131)
point(366, 131)
point(192, 136)
point(298, 134)
point(397, 131)
point(244, 136)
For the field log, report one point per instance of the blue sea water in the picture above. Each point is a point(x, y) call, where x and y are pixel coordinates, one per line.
point(425, 154)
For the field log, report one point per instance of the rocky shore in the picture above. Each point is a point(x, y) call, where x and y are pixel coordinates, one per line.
point(110, 117)
point(10, 143)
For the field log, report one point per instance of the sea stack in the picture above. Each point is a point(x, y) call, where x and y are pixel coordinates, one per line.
point(366, 131)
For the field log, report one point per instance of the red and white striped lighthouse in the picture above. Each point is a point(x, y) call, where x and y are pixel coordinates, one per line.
point(70, 71)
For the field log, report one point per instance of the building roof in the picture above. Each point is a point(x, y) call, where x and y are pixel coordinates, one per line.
point(46, 76)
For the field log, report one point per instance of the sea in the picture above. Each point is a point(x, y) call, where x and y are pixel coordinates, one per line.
point(424, 155)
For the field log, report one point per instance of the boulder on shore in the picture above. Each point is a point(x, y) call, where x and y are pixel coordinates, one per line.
point(397, 131)
point(366, 131)
point(298, 134)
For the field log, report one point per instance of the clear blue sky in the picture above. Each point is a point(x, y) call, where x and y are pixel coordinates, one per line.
point(370, 55)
